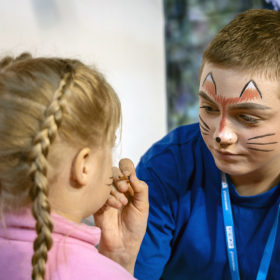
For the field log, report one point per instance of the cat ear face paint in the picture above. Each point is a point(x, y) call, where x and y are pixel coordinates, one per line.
point(249, 92)
point(209, 85)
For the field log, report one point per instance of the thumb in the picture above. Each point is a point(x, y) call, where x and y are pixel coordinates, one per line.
point(140, 188)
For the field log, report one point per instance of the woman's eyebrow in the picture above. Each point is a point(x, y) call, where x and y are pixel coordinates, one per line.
point(205, 96)
point(237, 106)
point(248, 106)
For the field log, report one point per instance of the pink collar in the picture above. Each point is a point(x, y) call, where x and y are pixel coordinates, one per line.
point(14, 224)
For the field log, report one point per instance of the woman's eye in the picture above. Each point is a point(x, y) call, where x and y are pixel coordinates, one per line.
point(248, 119)
point(209, 109)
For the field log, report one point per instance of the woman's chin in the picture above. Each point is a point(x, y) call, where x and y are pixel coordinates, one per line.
point(230, 169)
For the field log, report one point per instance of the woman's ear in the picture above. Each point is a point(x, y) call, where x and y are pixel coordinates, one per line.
point(80, 168)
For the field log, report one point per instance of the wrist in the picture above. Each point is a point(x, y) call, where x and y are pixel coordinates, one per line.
point(124, 259)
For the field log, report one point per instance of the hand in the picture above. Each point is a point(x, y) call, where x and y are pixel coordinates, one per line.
point(123, 219)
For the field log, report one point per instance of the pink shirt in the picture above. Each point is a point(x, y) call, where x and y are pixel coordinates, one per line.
point(72, 256)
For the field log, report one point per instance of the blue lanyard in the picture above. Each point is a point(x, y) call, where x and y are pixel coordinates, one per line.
point(230, 237)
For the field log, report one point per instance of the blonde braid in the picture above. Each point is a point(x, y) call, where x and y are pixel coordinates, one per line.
point(38, 172)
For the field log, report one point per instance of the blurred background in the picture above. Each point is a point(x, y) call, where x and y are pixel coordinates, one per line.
point(149, 51)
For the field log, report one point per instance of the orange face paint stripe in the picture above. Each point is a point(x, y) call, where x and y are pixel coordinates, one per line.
point(248, 93)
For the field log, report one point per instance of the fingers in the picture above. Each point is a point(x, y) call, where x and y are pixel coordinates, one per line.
point(126, 182)
point(121, 181)
point(114, 202)
point(118, 196)
point(127, 167)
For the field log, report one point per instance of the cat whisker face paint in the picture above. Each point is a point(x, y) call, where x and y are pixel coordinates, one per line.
point(203, 126)
point(239, 119)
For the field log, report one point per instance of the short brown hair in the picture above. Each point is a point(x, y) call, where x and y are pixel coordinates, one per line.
point(250, 42)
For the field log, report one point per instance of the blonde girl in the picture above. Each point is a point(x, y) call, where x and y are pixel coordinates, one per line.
point(58, 120)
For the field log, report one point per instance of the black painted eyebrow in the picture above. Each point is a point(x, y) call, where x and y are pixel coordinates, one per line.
point(204, 95)
point(249, 106)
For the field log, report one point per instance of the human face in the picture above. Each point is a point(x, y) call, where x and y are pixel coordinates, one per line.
point(239, 118)
point(101, 178)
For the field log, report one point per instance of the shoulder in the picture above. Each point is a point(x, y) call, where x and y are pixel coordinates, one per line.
point(74, 261)
point(175, 140)
point(179, 152)
point(177, 162)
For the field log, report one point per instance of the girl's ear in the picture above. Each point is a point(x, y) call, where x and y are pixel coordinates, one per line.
point(80, 168)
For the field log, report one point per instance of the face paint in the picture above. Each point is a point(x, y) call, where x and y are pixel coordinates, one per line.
point(204, 127)
point(241, 111)
point(256, 138)
point(249, 93)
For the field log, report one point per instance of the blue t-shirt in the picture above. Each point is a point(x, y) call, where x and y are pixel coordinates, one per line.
point(185, 237)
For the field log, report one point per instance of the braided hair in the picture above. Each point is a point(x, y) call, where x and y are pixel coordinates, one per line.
point(38, 173)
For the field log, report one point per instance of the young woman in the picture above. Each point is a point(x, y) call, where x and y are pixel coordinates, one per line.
point(214, 186)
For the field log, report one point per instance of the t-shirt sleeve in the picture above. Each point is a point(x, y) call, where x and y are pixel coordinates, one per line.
point(156, 246)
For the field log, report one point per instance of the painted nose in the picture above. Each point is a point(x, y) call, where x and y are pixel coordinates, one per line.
point(226, 136)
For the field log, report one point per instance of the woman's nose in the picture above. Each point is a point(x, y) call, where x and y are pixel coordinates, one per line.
point(225, 136)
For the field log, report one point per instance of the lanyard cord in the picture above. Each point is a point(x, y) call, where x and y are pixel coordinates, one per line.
point(230, 237)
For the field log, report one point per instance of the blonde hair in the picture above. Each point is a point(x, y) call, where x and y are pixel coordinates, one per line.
point(41, 98)
point(250, 42)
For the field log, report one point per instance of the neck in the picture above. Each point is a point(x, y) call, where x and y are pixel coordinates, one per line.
point(69, 216)
point(254, 184)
